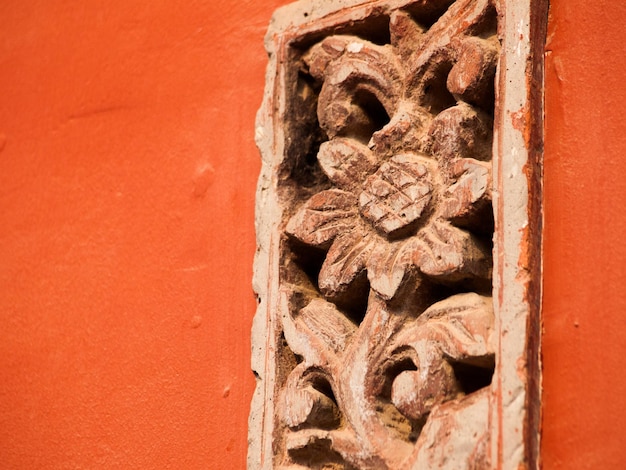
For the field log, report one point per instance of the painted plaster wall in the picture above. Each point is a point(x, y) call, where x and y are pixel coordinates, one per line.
point(127, 174)
point(127, 178)
point(584, 343)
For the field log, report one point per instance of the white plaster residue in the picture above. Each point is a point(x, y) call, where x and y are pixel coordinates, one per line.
point(259, 133)
point(355, 47)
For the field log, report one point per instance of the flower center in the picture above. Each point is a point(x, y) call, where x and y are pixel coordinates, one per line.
point(395, 197)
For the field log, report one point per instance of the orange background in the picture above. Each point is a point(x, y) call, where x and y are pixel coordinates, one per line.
point(127, 178)
point(127, 175)
point(584, 314)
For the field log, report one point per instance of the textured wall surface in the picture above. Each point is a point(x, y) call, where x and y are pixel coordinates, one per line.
point(127, 174)
point(127, 178)
point(584, 341)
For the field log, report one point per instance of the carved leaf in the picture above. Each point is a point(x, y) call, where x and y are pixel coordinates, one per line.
point(451, 254)
point(327, 323)
point(429, 53)
point(307, 405)
point(323, 217)
point(464, 449)
point(395, 197)
point(459, 326)
point(346, 162)
point(302, 403)
point(317, 332)
point(416, 392)
point(389, 265)
point(462, 326)
point(456, 329)
point(362, 85)
point(345, 262)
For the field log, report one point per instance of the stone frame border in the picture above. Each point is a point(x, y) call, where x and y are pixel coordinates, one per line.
point(518, 149)
point(518, 154)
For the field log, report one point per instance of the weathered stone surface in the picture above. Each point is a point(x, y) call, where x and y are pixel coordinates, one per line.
point(380, 338)
point(394, 198)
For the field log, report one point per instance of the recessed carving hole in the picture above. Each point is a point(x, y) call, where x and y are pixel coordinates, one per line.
point(393, 371)
point(354, 302)
point(308, 259)
point(374, 29)
point(288, 359)
point(427, 13)
point(319, 455)
point(305, 135)
point(396, 421)
point(375, 112)
point(472, 378)
point(374, 109)
point(437, 97)
point(488, 26)
point(322, 385)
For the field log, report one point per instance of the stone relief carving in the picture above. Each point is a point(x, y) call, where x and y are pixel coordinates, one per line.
point(382, 330)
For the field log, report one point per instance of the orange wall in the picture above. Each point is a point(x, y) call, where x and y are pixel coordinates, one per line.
point(127, 177)
point(127, 173)
point(584, 343)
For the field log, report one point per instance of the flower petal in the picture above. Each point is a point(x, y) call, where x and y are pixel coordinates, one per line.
point(451, 254)
point(346, 162)
point(389, 265)
point(345, 263)
point(466, 199)
point(461, 131)
point(406, 131)
point(323, 217)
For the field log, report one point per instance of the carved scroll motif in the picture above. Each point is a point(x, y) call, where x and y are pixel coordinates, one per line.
point(386, 244)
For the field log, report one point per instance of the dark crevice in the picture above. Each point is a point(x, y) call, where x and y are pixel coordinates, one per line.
point(373, 108)
point(322, 385)
point(304, 135)
point(472, 378)
point(375, 29)
point(352, 302)
point(308, 259)
point(427, 13)
point(436, 96)
point(392, 371)
point(319, 455)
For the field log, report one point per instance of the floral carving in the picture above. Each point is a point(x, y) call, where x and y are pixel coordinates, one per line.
point(386, 304)
point(391, 220)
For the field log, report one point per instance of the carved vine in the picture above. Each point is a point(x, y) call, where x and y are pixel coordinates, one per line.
point(387, 252)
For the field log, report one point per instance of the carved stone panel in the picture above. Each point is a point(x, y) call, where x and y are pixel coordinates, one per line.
point(377, 334)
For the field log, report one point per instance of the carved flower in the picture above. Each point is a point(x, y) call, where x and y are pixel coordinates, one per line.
point(388, 218)
point(394, 211)
point(407, 157)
